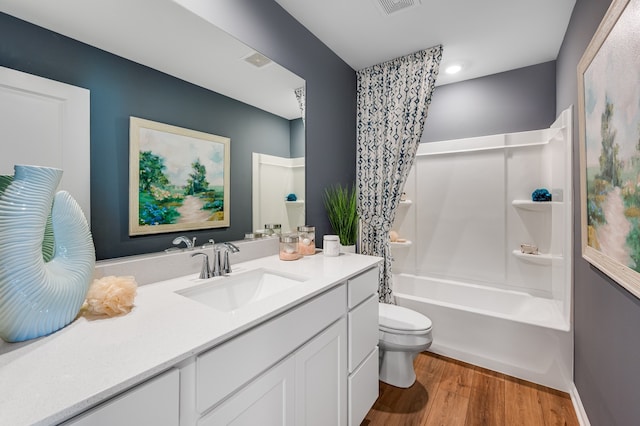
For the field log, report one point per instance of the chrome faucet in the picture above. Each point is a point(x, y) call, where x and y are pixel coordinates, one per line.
point(205, 270)
point(182, 239)
point(221, 264)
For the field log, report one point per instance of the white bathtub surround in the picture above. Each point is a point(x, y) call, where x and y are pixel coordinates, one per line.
point(273, 178)
point(392, 102)
point(491, 304)
point(48, 380)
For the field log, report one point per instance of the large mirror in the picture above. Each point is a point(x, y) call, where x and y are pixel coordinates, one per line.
point(174, 38)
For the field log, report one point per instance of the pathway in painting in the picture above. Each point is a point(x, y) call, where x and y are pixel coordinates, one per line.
point(191, 210)
point(612, 236)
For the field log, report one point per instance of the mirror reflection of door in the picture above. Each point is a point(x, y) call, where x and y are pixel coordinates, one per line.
point(274, 180)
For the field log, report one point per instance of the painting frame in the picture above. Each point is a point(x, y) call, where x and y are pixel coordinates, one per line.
point(179, 179)
point(610, 171)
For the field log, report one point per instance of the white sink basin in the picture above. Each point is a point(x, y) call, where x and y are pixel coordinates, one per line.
point(234, 292)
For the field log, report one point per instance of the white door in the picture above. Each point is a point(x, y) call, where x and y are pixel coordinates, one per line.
point(321, 378)
point(46, 123)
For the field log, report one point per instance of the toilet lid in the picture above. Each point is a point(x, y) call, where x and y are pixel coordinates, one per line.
point(393, 317)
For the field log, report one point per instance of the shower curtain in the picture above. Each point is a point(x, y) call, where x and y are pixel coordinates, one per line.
point(392, 102)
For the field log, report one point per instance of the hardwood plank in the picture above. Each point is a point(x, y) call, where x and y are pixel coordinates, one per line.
point(450, 392)
point(457, 377)
point(448, 409)
point(523, 406)
point(432, 364)
point(486, 402)
point(397, 406)
point(557, 407)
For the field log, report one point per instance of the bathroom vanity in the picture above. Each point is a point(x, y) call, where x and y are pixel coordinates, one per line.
point(203, 352)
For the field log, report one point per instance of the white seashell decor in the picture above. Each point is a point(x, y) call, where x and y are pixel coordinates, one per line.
point(39, 297)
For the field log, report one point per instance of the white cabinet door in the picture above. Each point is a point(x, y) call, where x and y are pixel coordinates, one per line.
point(321, 378)
point(268, 400)
point(152, 403)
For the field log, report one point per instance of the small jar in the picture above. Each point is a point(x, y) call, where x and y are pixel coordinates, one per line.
point(273, 229)
point(331, 245)
point(307, 240)
point(289, 247)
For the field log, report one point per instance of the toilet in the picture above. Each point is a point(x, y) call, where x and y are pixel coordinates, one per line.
point(402, 334)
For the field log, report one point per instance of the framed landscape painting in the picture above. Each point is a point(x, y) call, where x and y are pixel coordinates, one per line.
point(609, 119)
point(178, 178)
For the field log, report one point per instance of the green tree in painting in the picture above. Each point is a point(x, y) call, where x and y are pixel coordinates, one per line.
point(610, 166)
point(151, 171)
point(197, 181)
point(153, 211)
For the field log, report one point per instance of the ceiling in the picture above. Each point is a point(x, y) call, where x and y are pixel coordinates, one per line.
point(485, 37)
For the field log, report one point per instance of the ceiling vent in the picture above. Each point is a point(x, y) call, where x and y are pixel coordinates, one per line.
point(389, 7)
point(258, 60)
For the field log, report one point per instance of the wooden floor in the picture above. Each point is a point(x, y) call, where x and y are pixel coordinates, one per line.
point(449, 392)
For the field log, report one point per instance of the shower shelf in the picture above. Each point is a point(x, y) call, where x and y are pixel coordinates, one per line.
point(401, 244)
point(406, 203)
point(535, 206)
point(538, 259)
point(295, 203)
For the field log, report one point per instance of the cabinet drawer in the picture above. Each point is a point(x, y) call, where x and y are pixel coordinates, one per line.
point(226, 367)
point(363, 331)
point(362, 286)
point(155, 402)
point(363, 388)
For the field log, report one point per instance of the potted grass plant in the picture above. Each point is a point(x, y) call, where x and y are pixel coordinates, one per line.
point(341, 204)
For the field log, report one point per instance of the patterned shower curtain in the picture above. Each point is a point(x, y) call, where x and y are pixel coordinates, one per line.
point(301, 96)
point(393, 98)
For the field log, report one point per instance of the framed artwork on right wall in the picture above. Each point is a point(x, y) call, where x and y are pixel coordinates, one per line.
point(609, 127)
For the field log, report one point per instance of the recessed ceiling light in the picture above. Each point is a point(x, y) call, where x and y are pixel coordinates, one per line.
point(452, 69)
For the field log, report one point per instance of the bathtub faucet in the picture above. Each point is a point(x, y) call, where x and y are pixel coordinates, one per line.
point(182, 239)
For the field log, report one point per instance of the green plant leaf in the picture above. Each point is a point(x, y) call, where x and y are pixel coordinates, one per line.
point(341, 204)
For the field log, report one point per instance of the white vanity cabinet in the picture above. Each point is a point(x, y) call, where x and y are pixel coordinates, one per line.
point(306, 388)
point(290, 369)
point(362, 302)
point(154, 402)
point(307, 356)
point(274, 375)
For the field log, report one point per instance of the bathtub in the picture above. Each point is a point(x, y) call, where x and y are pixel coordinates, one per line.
point(506, 331)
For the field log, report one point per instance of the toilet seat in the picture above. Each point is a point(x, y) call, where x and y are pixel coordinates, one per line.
point(399, 320)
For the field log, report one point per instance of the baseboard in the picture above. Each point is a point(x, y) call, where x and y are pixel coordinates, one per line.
point(578, 407)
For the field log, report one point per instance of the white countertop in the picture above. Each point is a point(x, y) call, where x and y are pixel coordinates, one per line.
point(48, 380)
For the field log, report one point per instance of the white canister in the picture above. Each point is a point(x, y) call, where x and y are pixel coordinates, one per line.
point(331, 245)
